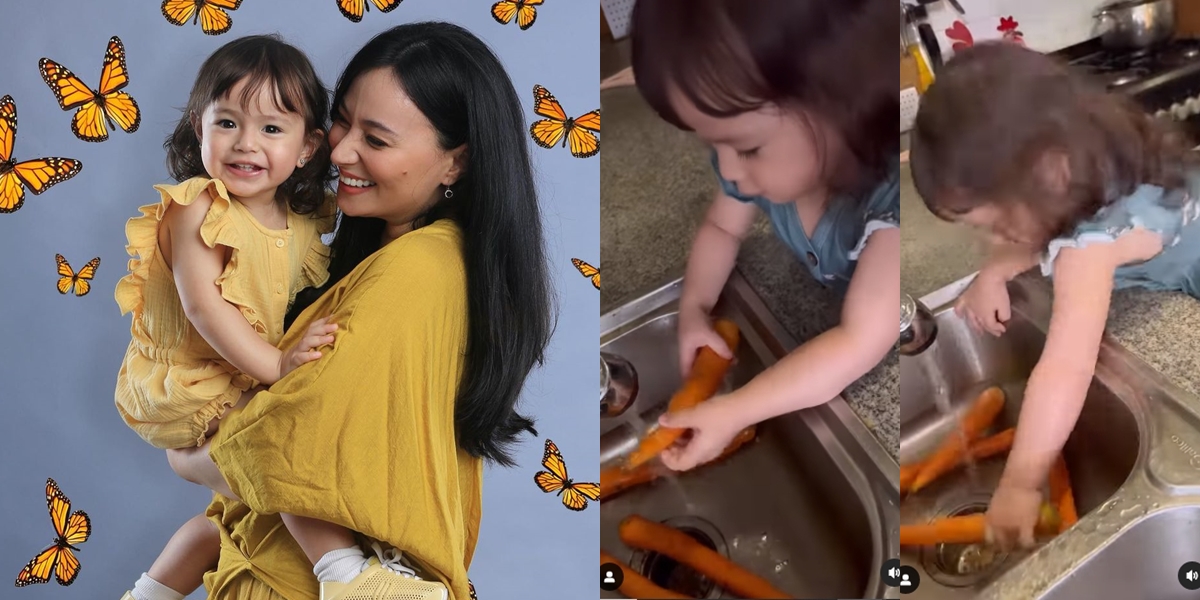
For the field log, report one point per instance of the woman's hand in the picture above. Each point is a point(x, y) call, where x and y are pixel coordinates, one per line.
point(1013, 514)
point(695, 332)
point(319, 334)
point(985, 305)
point(713, 427)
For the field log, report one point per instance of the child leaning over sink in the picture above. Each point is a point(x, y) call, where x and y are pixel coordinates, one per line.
point(1063, 175)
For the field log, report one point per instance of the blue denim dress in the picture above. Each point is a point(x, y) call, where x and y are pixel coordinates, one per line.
point(1170, 213)
point(841, 234)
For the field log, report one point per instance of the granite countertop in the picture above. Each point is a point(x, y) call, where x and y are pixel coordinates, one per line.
point(1162, 328)
point(656, 184)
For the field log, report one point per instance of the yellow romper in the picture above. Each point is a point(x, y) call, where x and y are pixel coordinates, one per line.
point(172, 382)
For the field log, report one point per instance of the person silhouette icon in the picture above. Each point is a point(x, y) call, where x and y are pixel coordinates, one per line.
point(904, 580)
point(608, 577)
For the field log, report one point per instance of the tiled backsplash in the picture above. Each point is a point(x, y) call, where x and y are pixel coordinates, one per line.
point(1043, 25)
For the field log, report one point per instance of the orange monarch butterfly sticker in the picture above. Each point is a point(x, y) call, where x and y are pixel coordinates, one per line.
point(354, 9)
point(39, 174)
point(558, 127)
point(524, 10)
point(209, 13)
point(59, 559)
point(587, 271)
point(574, 495)
point(80, 282)
point(108, 104)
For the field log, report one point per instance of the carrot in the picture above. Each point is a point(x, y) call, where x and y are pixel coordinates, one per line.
point(707, 373)
point(979, 450)
point(636, 586)
point(639, 532)
point(975, 422)
point(1061, 494)
point(615, 480)
point(967, 529)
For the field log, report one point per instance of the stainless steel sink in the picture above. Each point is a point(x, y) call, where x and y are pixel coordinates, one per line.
point(810, 505)
point(1134, 459)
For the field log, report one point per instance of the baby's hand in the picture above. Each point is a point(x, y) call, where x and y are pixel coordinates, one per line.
point(1013, 515)
point(712, 429)
point(319, 334)
point(985, 304)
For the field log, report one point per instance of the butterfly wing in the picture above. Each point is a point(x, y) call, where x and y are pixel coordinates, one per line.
point(56, 501)
point(178, 12)
point(68, 566)
point(589, 121)
point(527, 14)
point(66, 280)
point(88, 124)
point(118, 106)
point(547, 132)
point(584, 143)
point(39, 569)
point(503, 11)
point(213, 18)
point(68, 89)
point(8, 127)
point(352, 9)
point(43, 173)
point(79, 528)
point(587, 271)
point(555, 479)
point(576, 496)
point(386, 5)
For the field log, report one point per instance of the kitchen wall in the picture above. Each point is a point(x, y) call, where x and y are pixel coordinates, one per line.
point(1043, 25)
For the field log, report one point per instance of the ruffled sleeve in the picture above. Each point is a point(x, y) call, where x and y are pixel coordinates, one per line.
point(1149, 207)
point(882, 209)
point(315, 267)
point(142, 233)
point(728, 187)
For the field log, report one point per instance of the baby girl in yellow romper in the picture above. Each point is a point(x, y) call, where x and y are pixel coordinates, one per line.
point(217, 263)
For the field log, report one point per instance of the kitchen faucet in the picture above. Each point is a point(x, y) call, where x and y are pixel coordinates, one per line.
point(618, 384)
point(918, 328)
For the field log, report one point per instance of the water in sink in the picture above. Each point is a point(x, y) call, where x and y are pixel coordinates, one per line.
point(941, 399)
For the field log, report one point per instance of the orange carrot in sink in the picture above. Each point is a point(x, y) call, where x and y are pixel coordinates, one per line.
point(1061, 494)
point(639, 532)
point(636, 586)
point(614, 480)
point(976, 421)
point(980, 449)
point(967, 529)
point(705, 379)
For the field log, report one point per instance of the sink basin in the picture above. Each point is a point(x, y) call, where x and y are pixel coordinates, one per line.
point(809, 505)
point(1134, 460)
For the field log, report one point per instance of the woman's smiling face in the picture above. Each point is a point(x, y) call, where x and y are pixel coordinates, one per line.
point(390, 162)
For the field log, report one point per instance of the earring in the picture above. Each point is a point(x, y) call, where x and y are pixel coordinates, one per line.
point(302, 161)
point(449, 193)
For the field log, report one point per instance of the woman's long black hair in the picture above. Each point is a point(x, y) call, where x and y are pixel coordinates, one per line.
point(462, 88)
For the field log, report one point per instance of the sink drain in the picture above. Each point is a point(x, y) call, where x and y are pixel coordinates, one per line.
point(962, 565)
point(665, 572)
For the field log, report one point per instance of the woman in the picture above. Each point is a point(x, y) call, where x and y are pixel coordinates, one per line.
point(440, 289)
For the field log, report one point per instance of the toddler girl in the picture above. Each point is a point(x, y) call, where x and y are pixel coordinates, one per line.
point(1069, 177)
point(217, 262)
point(797, 100)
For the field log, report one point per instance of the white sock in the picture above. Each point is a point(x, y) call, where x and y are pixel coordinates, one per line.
point(147, 588)
point(340, 566)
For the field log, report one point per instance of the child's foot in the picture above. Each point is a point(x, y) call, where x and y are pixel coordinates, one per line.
point(379, 581)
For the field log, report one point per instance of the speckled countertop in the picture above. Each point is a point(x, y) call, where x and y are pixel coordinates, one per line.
point(656, 182)
point(1162, 328)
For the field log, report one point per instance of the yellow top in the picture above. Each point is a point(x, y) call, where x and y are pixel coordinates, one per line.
point(364, 436)
point(172, 382)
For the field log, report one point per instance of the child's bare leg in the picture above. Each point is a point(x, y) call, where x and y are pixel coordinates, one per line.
point(331, 548)
point(191, 552)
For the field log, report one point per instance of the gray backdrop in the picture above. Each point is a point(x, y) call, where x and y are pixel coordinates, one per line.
point(60, 354)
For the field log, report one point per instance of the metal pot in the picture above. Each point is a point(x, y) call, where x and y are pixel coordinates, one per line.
point(1136, 24)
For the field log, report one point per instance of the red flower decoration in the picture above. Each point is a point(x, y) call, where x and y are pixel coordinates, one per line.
point(1007, 24)
point(960, 35)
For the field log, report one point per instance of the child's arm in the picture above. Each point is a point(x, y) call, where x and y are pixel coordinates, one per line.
point(1057, 387)
point(1007, 260)
point(819, 370)
point(813, 373)
point(196, 268)
point(714, 251)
